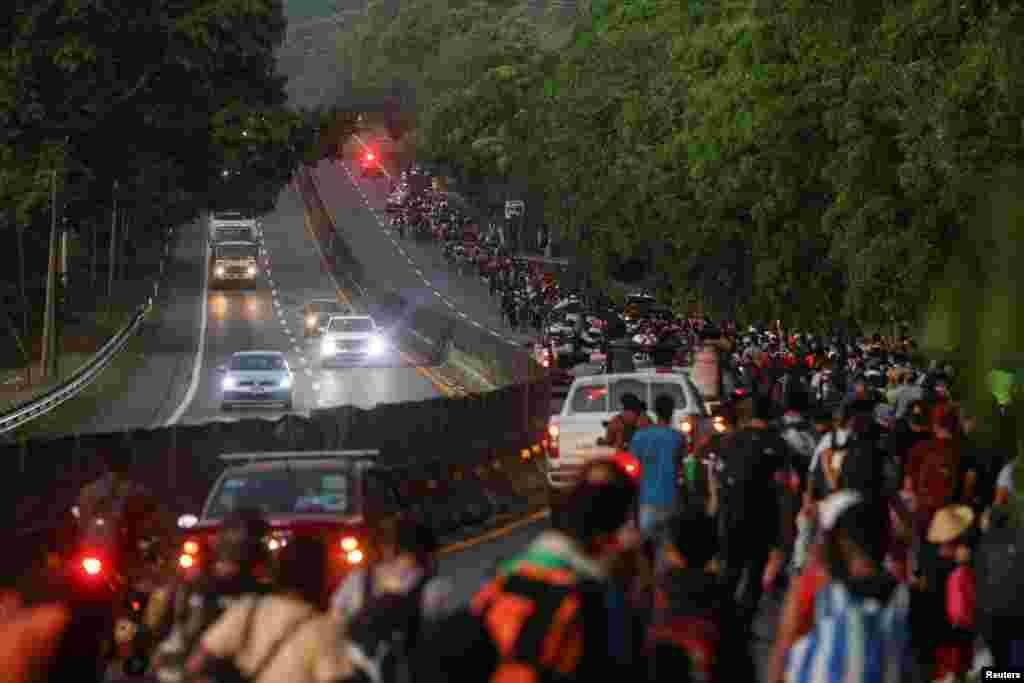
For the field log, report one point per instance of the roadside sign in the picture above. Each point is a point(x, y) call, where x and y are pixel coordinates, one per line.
point(514, 207)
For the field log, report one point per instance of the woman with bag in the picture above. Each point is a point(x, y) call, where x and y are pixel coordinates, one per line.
point(279, 637)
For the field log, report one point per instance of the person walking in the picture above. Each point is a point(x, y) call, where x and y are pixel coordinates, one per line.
point(660, 448)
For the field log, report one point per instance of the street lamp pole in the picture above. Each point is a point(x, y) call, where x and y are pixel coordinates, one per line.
point(49, 315)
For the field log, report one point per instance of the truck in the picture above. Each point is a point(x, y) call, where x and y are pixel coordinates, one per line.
point(225, 223)
point(237, 263)
point(576, 433)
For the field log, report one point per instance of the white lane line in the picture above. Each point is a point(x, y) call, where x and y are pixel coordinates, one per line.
point(427, 282)
point(463, 315)
point(438, 294)
point(449, 304)
point(284, 323)
point(419, 272)
point(197, 363)
point(273, 292)
point(495, 334)
point(477, 324)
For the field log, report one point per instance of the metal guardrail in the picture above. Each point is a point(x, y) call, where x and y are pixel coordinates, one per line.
point(82, 378)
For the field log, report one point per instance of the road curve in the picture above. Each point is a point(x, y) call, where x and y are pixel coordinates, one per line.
point(269, 317)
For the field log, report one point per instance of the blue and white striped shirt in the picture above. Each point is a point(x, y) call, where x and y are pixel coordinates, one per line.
point(855, 639)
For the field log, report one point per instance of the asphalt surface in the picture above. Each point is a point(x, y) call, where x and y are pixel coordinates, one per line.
point(268, 316)
point(417, 270)
point(161, 381)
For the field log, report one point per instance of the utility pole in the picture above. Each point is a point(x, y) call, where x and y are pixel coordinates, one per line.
point(113, 250)
point(49, 316)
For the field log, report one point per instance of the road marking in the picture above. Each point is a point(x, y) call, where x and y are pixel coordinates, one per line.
point(438, 294)
point(449, 304)
point(197, 363)
point(496, 533)
point(495, 334)
point(427, 282)
point(273, 292)
point(463, 315)
point(477, 324)
point(419, 272)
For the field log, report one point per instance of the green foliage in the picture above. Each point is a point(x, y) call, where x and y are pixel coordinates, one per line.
point(798, 159)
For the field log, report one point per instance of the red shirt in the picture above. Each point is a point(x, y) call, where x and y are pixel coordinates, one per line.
point(934, 470)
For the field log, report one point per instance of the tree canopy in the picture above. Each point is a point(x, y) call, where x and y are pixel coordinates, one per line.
point(799, 159)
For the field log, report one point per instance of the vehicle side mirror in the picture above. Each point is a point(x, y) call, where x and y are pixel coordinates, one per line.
point(187, 521)
point(222, 368)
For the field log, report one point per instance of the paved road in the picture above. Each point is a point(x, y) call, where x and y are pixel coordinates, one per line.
point(161, 381)
point(269, 317)
point(417, 270)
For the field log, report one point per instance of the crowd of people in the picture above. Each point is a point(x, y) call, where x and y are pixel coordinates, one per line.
point(876, 540)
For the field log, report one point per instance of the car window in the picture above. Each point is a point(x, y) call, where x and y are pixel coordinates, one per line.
point(279, 492)
point(255, 363)
point(237, 251)
point(351, 325)
point(673, 389)
point(235, 234)
point(590, 399)
point(621, 387)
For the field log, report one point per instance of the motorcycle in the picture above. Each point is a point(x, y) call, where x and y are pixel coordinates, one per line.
point(98, 577)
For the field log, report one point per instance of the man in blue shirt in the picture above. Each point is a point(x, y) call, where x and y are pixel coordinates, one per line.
point(659, 448)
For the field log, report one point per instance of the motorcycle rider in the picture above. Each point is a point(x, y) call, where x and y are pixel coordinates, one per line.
point(125, 508)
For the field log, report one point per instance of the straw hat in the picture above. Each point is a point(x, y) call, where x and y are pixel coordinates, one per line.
point(949, 523)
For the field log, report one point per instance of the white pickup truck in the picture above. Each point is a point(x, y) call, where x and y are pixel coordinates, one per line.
point(572, 439)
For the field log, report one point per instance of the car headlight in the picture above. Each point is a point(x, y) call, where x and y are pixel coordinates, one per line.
point(286, 382)
point(311, 321)
point(327, 347)
point(219, 271)
point(377, 345)
point(252, 271)
point(228, 383)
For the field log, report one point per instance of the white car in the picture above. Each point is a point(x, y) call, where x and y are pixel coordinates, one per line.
point(252, 378)
point(352, 338)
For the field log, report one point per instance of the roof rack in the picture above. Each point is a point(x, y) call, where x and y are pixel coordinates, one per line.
point(368, 454)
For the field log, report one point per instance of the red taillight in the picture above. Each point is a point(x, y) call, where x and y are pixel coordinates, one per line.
point(553, 432)
point(92, 565)
point(191, 548)
point(369, 156)
point(349, 543)
point(186, 562)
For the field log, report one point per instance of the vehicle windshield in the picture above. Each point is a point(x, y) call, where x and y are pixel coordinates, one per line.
point(301, 490)
point(351, 325)
point(324, 307)
point(235, 233)
point(256, 363)
point(237, 251)
point(228, 216)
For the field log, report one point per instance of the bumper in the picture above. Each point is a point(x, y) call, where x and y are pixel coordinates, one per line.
point(238, 397)
point(351, 357)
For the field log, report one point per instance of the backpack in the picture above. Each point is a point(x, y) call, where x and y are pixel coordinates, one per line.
point(537, 624)
point(849, 633)
point(385, 632)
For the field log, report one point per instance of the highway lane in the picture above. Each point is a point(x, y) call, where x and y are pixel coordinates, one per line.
point(357, 206)
point(160, 380)
point(269, 317)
